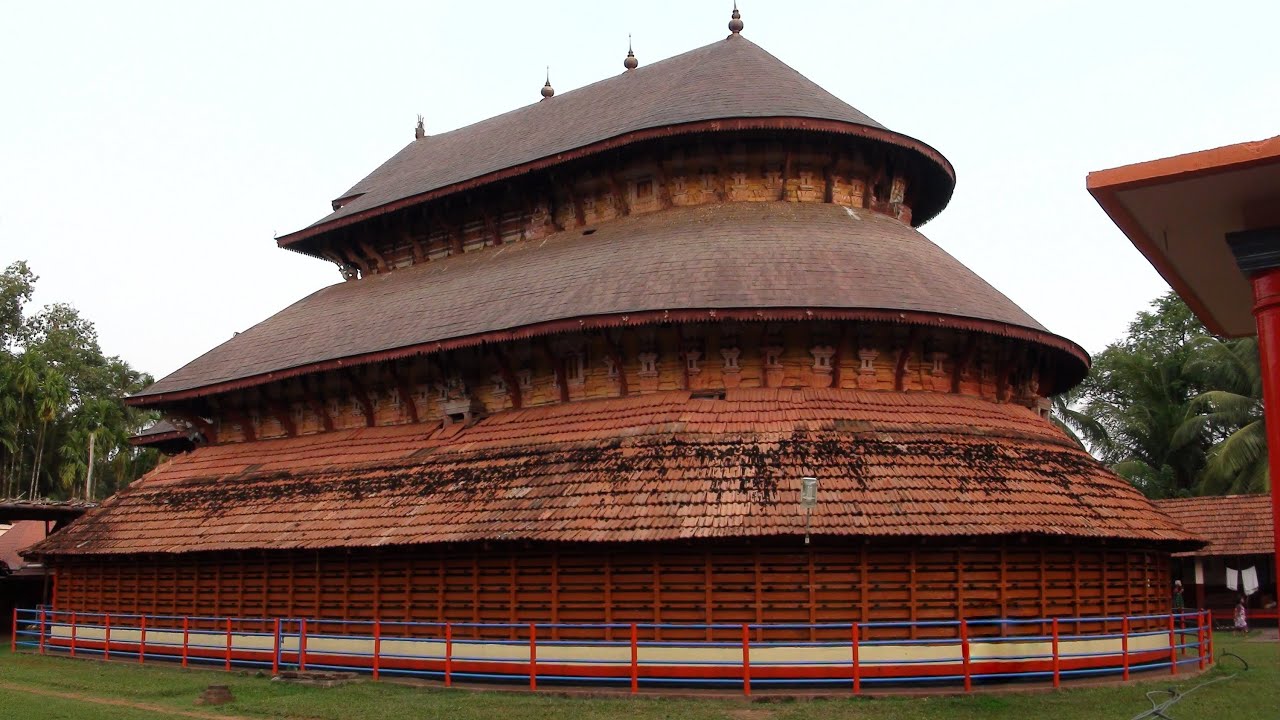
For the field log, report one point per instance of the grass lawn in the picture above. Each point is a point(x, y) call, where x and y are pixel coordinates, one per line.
point(34, 688)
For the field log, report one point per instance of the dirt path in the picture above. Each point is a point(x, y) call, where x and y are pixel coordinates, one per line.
point(162, 710)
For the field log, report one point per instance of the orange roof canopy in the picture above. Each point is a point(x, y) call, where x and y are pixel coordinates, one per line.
point(1177, 212)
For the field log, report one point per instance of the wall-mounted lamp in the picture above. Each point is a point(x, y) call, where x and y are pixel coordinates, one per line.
point(808, 500)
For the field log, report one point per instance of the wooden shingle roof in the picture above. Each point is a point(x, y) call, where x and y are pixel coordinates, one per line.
point(650, 467)
point(731, 79)
point(1233, 524)
point(762, 257)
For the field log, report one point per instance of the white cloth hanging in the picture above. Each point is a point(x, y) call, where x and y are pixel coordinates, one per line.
point(1249, 578)
point(1231, 578)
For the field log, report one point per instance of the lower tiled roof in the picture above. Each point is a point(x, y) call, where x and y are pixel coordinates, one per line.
point(648, 467)
point(17, 538)
point(1233, 524)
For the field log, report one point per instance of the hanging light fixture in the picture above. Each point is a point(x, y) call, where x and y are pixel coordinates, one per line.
point(808, 500)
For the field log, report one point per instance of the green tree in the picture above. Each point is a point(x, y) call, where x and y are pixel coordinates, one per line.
point(57, 388)
point(1140, 392)
point(1229, 413)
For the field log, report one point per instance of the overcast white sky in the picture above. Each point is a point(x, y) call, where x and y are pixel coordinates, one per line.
point(149, 152)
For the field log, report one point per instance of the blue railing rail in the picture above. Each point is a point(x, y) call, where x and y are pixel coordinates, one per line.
point(959, 652)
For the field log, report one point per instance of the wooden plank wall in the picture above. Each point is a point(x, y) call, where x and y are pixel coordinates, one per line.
point(781, 581)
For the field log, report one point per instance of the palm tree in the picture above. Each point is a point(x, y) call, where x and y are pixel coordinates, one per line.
point(1083, 429)
point(1141, 401)
point(54, 393)
point(26, 380)
point(1230, 415)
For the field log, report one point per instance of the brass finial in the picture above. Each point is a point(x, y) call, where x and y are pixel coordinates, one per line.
point(420, 131)
point(547, 90)
point(735, 23)
point(631, 63)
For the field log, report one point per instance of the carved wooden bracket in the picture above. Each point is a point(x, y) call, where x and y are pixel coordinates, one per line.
point(1004, 366)
point(240, 418)
point(372, 252)
point(964, 361)
point(280, 412)
point(321, 408)
point(406, 392)
point(620, 200)
point(361, 395)
point(204, 427)
point(419, 252)
point(904, 353)
point(355, 259)
point(558, 364)
point(786, 175)
point(509, 377)
point(615, 351)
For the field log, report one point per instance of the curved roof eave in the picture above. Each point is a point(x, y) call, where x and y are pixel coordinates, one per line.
point(770, 259)
point(726, 84)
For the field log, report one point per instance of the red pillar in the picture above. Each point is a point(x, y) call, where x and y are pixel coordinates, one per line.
point(1266, 310)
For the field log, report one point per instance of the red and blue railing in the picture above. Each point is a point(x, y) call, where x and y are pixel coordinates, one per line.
point(855, 656)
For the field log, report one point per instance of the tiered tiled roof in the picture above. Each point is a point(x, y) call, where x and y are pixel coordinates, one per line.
point(729, 79)
point(649, 467)
point(1233, 524)
point(765, 257)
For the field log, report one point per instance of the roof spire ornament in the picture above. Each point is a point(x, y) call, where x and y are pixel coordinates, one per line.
point(631, 63)
point(420, 131)
point(735, 22)
point(547, 90)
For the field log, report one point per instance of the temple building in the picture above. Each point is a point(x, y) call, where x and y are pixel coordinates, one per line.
point(584, 355)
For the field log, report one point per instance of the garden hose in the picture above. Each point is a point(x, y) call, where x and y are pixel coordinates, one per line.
point(1174, 695)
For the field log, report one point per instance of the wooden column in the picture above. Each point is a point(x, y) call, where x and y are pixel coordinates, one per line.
point(911, 591)
point(708, 581)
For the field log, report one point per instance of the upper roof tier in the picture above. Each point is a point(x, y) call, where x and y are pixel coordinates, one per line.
point(728, 85)
point(773, 260)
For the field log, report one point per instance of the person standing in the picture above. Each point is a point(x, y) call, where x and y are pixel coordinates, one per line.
point(1242, 617)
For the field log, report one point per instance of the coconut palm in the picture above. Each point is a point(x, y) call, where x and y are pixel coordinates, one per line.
point(1230, 415)
point(54, 392)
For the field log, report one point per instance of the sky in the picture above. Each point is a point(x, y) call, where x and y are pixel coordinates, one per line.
point(151, 152)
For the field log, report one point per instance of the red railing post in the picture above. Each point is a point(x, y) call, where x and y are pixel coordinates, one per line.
point(377, 646)
point(1200, 637)
point(1173, 647)
point(964, 654)
point(448, 654)
point(186, 638)
point(746, 659)
point(1124, 645)
point(533, 656)
point(1209, 650)
point(302, 645)
point(1057, 670)
point(275, 648)
point(228, 660)
point(635, 660)
point(142, 641)
point(106, 636)
point(73, 634)
point(13, 639)
point(857, 664)
point(43, 629)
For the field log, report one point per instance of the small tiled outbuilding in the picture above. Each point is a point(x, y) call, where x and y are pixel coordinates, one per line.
point(1239, 534)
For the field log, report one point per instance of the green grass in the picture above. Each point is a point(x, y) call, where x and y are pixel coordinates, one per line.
point(1252, 694)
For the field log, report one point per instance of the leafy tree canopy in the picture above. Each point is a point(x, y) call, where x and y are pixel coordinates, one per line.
point(1173, 409)
point(56, 389)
